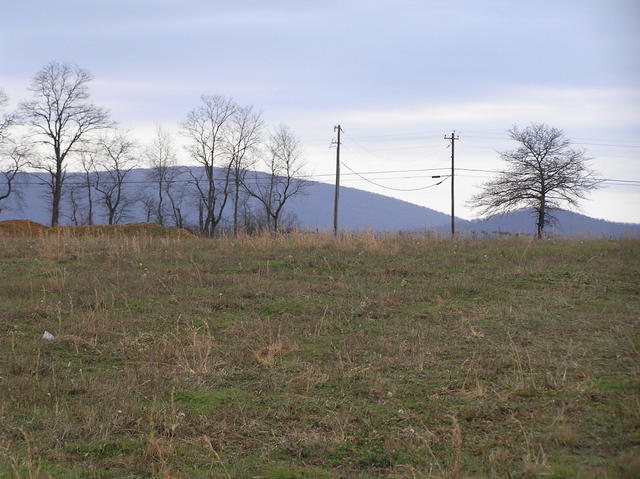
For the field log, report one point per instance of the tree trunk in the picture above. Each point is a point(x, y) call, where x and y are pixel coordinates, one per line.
point(57, 194)
point(541, 219)
point(90, 200)
point(160, 217)
point(209, 222)
point(235, 209)
point(57, 188)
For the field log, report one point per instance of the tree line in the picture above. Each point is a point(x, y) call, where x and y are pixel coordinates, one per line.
point(59, 128)
point(227, 142)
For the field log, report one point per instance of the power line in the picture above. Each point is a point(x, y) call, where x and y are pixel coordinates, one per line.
point(414, 170)
point(390, 188)
point(606, 144)
point(395, 148)
point(397, 135)
point(371, 152)
point(412, 177)
point(497, 135)
point(621, 181)
point(582, 142)
point(481, 171)
point(424, 169)
point(609, 142)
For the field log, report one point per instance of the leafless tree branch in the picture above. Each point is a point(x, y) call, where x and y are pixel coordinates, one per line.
point(61, 117)
point(242, 144)
point(116, 159)
point(206, 128)
point(543, 173)
point(282, 181)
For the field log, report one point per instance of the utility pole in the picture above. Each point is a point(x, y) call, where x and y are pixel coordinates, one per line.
point(453, 139)
point(337, 193)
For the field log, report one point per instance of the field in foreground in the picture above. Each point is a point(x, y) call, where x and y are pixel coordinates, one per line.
point(307, 357)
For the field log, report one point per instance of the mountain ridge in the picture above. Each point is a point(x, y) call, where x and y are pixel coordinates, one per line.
point(359, 210)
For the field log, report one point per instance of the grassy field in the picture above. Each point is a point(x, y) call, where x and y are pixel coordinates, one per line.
point(309, 357)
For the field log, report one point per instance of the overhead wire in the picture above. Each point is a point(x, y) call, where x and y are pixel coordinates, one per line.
point(372, 152)
point(495, 135)
point(631, 182)
point(389, 187)
point(354, 141)
point(360, 175)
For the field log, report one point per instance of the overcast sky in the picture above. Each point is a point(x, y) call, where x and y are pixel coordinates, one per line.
point(396, 74)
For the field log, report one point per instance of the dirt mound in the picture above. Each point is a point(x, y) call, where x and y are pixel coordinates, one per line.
point(131, 229)
point(22, 228)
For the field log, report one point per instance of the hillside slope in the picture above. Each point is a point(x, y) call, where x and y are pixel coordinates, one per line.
point(359, 210)
point(568, 223)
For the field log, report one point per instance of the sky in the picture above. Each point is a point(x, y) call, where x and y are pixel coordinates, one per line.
point(397, 75)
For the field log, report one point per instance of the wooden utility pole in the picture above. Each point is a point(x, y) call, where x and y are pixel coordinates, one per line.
point(453, 139)
point(337, 193)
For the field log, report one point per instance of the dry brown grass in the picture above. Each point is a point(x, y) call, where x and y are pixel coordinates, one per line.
point(308, 356)
point(21, 228)
point(27, 228)
point(130, 229)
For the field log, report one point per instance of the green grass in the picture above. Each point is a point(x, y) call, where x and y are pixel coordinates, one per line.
point(306, 356)
point(209, 401)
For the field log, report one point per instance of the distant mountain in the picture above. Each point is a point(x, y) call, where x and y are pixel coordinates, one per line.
point(568, 224)
point(359, 210)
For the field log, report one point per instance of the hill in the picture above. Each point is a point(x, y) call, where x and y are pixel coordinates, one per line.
point(359, 210)
point(568, 223)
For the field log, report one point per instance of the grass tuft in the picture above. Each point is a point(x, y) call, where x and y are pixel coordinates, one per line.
point(402, 356)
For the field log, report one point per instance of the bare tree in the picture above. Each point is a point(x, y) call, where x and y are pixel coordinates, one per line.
point(13, 159)
point(76, 199)
point(164, 175)
point(282, 181)
point(13, 153)
point(62, 116)
point(175, 191)
point(80, 194)
point(206, 128)
point(252, 216)
point(88, 165)
point(543, 173)
point(149, 205)
point(7, 119)
point(243, 141)
point(117, 158)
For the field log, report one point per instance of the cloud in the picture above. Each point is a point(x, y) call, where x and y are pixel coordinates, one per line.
point(564, 107)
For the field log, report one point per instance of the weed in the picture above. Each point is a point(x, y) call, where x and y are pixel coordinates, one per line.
point(311, 356)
